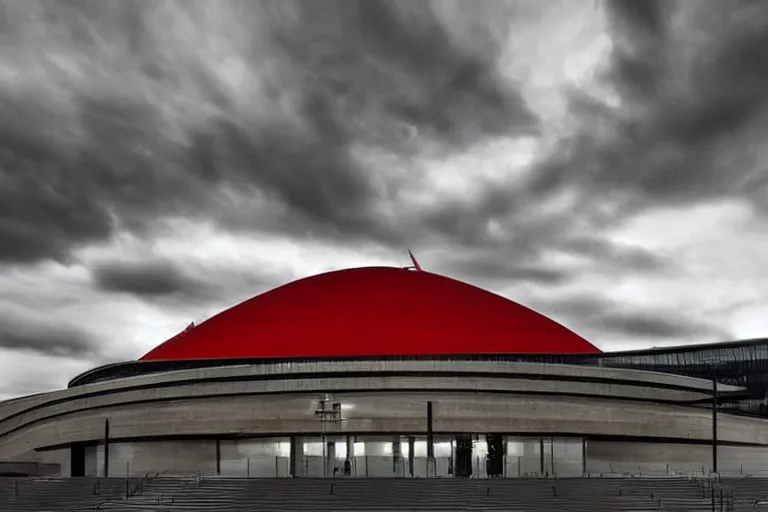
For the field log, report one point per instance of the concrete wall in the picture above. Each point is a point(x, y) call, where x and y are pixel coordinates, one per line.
point(383, 412)
point(30, 469)
point(527, 373)
point(187, 391)
point(508, 398)
point(660, 458)
point(263, 458)
point(138, 459)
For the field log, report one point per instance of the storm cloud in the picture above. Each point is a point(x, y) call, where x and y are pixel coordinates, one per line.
point(692, 96)
point(621, 323)
point(38, 334)
point(166, 282)
point(603, 162)
point(144, 278)
point(260, 118)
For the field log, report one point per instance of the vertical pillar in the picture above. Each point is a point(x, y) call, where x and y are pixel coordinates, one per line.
point(396, 456)
point(714, 424)
point(106, 447)
point(552, 456)
point(350, 463)
point(452, 461)
point(297, 457)
point(504, 455)
point(583, 455)
point(411, 453)
point(430, 433)
point(330, 461)
point(350, 446)
point(431, 465)
point(541, 455)
point(218, 456)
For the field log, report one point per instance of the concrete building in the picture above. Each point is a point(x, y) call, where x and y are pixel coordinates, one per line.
point(384, 372)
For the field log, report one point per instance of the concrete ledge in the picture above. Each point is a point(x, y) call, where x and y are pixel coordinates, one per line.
point(377, 412)
point(280, 399)
point(534, 371)
point(374, 383)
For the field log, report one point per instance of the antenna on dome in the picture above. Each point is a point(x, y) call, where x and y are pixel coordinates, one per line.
point(416, 265)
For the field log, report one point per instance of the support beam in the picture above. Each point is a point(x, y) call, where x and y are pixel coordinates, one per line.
point(396, 456)
point(350, 462)
point(552, 456)
point(430, 434)
point(297, 457)
point(106, 447)
point(714, 424)
point(218, 456)
point(411, 454)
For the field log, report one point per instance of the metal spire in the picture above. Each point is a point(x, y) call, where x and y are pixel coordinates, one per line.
point(415, 261)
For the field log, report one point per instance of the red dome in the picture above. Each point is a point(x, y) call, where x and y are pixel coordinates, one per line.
point(374, 311)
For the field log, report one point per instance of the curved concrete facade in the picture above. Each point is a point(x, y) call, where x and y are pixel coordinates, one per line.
point(263, 420)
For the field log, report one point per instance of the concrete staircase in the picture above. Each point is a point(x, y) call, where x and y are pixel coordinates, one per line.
point(521, 495)
point(165, 493)
point(60, 494)
point(747, 494)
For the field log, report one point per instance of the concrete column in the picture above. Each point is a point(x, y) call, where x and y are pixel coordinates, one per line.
point(411, 454)
point(297, 457)
point(430, 433)
point(218, 456)
point(106, 447)
point(504, 453)
point(351, 455)
point(396, 457)
point(330, 459)
point(531, 461)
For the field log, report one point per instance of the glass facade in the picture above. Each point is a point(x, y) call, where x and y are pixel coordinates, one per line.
point(333, 456)
point(741, 363)
point(404, 456)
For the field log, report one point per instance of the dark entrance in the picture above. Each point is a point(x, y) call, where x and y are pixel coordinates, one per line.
point(463, 459)
point(494, 464)
point(77, 459)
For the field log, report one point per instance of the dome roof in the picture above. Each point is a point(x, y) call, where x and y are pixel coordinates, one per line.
point(373, 311)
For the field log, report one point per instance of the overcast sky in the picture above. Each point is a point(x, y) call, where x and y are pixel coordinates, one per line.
point(602, 162)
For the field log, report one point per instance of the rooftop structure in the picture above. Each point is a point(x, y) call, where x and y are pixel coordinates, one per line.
point(373, 311)
point(390, 372)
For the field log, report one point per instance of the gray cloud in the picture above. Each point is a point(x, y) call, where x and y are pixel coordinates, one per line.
point(685, 127)
point(153, 126)
point(148, 278)
point(45, 336)
point(183, 284)
point(526, 262)
point(254, 115)
point(607, 254)
point(618, 323)
point(495, 266)
point(132, 121)
point(694, 97)
point(658, 324)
